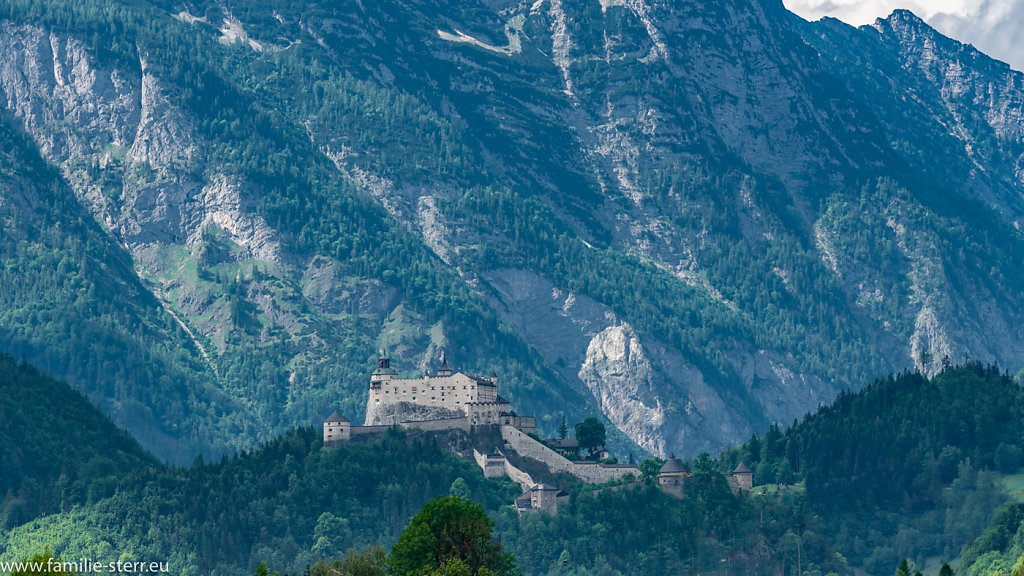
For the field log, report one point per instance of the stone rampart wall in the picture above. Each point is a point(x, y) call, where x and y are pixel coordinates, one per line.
point(438, 425)
point(491, 470)
point(527, 447)
point(518, 476)
point(367, 430)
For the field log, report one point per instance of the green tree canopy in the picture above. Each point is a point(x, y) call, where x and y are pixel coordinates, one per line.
point(371, 562)
point(449, 528)
point(44, 563)
point(590, 434)
point(459, 488)
point(650, 467)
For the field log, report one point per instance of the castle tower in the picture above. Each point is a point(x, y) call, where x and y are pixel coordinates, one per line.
point(444, 370)
point(672, 478)
point(544, 497)
point(337, 429)
point(744, 478)
point(384, 371)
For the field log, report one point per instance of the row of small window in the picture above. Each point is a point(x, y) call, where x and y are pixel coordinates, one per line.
point(434, 388)
point(406, 392)
point(434, 398)
point(414, 398)
point(395, 388)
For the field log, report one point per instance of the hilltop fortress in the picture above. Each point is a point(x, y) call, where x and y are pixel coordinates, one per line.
point(445, 395)
point(445, 400)
point(500, 441)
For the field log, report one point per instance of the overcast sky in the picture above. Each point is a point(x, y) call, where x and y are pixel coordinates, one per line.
point(996, 27)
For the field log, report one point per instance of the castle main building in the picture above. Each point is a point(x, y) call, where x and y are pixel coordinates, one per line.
point(445, 395)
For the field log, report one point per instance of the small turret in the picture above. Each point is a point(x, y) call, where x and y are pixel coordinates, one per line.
point(444, 370)
point(337, 429)
point(743, 478)
point(672, 478)
point(384, 370)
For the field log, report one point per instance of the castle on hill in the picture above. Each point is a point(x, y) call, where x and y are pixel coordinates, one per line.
point(445, 400)
point(439, 396)
point(451, 400)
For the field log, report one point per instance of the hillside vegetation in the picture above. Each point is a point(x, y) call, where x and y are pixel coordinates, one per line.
point(288, 503)
point(907, 467)
point(292, 502)
point(57, 451)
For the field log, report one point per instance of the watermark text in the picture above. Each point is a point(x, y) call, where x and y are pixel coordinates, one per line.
point(85, 566)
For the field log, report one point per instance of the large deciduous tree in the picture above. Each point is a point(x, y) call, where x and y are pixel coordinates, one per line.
point(590, 434)
point(448, 536)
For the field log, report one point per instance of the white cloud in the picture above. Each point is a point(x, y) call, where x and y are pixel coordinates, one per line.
point(994, 26)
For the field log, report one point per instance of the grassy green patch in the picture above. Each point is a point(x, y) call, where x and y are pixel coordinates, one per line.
point(1014, 484)
point(779, 489)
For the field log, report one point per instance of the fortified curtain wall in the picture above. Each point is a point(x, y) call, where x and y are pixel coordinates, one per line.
point(594, 473)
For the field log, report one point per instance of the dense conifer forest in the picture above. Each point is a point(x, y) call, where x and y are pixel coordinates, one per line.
point(908, 466)
point(57, 450)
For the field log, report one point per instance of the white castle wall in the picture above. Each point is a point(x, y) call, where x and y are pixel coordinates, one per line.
point(426, 426)
point(445, 395)
point(451, 393)
point(518, 476)
point(502, 467)
point(366, 430)
point(591, 472)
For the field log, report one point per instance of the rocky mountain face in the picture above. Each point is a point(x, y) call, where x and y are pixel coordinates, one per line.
point(695, 218)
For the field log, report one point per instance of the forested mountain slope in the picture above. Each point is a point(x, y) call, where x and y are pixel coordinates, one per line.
point(698, 218)
point(909, 466)
point(57, 449)
point(286, 503)
point(70, 296)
